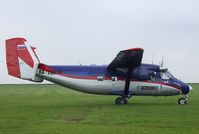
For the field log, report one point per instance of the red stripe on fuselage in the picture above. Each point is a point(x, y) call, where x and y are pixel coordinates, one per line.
point(47, 68)
point(165, 84)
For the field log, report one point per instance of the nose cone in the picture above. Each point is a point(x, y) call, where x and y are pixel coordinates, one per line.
point(186, 88)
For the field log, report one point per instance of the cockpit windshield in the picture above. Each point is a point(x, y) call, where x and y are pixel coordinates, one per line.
point(166, 75)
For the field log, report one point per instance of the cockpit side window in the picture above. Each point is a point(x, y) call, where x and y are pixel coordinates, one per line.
point(153, 76)
point(169, 74)
point(166, 75)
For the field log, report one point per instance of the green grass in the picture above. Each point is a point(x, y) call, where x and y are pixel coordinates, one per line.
point(51, 109)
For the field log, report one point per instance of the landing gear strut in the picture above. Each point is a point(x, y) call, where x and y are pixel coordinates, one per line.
point(121, 100)
point(183, 100)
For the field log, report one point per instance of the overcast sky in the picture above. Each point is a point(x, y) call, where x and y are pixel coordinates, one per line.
point(94, 31)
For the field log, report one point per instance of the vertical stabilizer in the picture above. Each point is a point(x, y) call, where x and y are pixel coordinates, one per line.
point(22, 60)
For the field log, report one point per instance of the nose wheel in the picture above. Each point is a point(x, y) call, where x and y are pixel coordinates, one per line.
point(183, 100)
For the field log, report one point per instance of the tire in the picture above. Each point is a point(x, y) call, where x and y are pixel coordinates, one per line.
point(182, 101)
point(120, 101)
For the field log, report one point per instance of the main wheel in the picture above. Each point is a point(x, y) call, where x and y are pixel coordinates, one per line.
point(182, 101)
point(120, 101)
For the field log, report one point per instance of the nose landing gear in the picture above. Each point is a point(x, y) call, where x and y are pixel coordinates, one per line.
point(183, 100)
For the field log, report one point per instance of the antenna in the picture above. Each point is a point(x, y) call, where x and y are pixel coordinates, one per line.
point(162, 62)
point(162, 68)
point(79, 62)
point(153, 59)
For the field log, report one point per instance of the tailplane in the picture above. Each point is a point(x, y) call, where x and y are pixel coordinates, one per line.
point(22, 60)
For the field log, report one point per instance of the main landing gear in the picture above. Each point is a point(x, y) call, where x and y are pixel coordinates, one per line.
point(121, 100)
point(183, 100)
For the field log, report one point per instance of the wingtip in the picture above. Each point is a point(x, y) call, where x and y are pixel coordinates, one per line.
point(135, 49)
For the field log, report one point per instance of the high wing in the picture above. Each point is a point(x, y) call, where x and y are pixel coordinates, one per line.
point(128, 59)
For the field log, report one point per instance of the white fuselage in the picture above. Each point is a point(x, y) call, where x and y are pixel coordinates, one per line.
point(109, 87)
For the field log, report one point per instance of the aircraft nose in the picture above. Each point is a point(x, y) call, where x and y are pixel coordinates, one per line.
point(186, 88)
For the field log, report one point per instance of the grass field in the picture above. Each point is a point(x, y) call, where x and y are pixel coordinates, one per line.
point(51, 109)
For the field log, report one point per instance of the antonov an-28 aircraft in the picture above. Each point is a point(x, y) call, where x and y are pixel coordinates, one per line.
point(125, 76)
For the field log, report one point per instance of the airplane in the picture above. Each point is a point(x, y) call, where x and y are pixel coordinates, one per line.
point(126, 76)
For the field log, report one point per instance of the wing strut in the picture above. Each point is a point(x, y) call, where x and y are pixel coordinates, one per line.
point(127, 82)
point(127, 59)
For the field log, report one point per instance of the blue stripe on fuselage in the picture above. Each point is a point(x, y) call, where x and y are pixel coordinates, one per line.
point(99, 70)
point(81, 70)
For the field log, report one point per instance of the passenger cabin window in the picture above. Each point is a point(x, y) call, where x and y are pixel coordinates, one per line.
point(100, 78)
point(114, 78)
